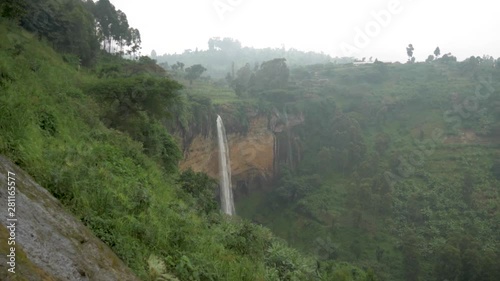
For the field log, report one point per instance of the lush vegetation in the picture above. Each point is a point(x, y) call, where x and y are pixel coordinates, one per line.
point(394, 169)
point(94, 137)
point(392, 174)
point(397, 168)
point(75, 27)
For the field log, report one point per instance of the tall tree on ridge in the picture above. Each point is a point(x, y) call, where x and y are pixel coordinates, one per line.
point(135, 36)
point(121, 30)
point(437, 52)
point(106, 16)
point(409, 52)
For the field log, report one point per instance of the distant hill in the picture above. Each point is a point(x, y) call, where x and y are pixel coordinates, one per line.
point(224, 55)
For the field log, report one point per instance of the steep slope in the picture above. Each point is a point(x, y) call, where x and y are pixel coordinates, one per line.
point(53, 243)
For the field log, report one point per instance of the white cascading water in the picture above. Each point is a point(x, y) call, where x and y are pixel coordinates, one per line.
point(226, 193)
point(289, 157)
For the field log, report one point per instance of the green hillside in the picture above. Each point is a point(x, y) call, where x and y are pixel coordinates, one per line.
point(393, 172)
point(92, 135)
point(398, 168)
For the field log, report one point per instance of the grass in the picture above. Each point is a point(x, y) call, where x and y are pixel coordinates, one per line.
point(203, 88)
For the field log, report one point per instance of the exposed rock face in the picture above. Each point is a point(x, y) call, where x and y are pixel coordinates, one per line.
point(255, 152)
point(252, 155)
point(51, 244)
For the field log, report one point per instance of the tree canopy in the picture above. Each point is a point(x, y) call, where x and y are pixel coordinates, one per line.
point(194, 72)
point(76, 27)
point(271, 75)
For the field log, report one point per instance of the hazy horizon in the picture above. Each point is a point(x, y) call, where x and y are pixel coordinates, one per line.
point(464, 29)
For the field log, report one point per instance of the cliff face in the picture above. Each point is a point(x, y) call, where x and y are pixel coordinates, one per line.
point(50, 244)
point(254, 154)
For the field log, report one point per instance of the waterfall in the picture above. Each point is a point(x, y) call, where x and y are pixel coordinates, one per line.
point(226, 193)
point(275, 154)
point(289, 157)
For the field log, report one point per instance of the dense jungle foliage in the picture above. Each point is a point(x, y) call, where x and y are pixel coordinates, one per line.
point(395, 167)
point(87, 124)
point(392, 175)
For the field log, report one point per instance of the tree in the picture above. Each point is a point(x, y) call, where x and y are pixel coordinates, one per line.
point(293, 188)
point(121, 30)
point(240, 83)
point(153, 54)
point(272, 74)
point(429, 58)
point(201, 188)
point(411, 257)
point(226, 44)
point(347, 139)
point(447, 58)
point(78, 33)
point(409, 52)
point(146, 60)
point(471, 264)
point(113, 28)
point(135, 36)
point(437, 52)
point(69, 27)
point(180, 65)
point(126, 97)
point(356, 249)
point(194, 72)
point(107, 19)
point(495, 169)
point(448, 264)
point(211, 44)
point(13, 9)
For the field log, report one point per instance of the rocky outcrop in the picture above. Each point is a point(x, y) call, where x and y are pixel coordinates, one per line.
point(50, 243)
point(251, 154)
point(254, 153)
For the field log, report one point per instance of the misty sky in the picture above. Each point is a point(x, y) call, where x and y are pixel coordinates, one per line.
point(338, 28)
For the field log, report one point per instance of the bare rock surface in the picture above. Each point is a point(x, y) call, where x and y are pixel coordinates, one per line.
point(51, 244)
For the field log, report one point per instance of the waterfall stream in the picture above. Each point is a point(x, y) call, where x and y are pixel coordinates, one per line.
point(226, 193)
